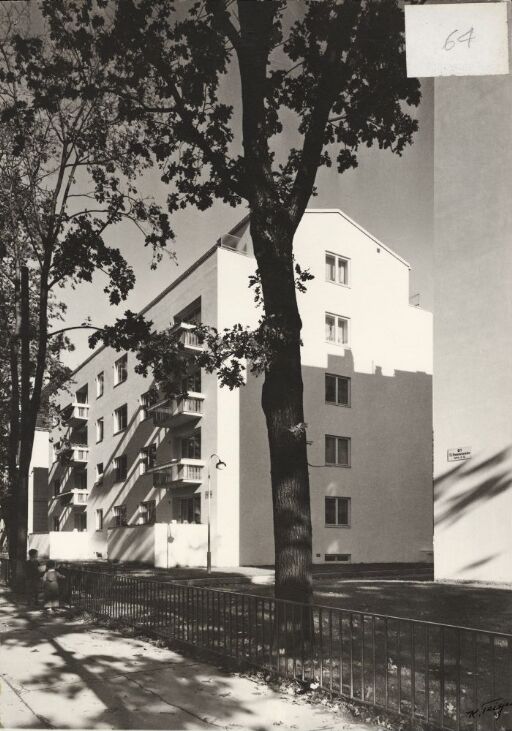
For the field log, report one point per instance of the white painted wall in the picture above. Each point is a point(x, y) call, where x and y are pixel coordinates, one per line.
point(70, 545)
point(41, 542)
point(473, 334)
point(180, 545)
point(389, 361)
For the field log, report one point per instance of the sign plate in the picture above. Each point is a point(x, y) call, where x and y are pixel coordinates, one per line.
point(457, 39)
point(458, 453)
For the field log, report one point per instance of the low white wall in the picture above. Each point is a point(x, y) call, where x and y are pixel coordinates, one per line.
point(178, 544)
point(41, 542)
point(70, 545)
point(132, 543)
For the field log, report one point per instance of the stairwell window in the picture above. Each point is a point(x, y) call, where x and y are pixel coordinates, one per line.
point(337, 390)
point(120, 418)
point(337, 511)
point(336, 329)
point(121, 468)
point(337, 451)
point(100, 384)
point(336, 269)
point(120, 370)
point(99, 519)
point(100, 428)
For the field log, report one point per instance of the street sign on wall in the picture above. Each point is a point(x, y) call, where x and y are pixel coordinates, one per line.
point(458, 453)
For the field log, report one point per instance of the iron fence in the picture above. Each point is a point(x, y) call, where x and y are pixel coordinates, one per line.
point(445, 676)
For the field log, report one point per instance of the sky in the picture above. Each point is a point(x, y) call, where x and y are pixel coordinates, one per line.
point(390, 196)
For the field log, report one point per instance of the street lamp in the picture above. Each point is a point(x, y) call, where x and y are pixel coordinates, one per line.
point(219, 466)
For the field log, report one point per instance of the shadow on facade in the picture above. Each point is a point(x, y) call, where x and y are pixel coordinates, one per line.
point(469, 485)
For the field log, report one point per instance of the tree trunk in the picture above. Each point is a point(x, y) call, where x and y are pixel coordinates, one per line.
point(282, 401)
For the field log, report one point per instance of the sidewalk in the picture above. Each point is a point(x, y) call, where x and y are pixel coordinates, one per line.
point(56, 673)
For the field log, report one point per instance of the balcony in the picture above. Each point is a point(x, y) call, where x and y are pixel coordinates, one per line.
point(189, 337)
point(65, 452)
point(75, 415)
point(176, 411)
point(74, 498)
point(178, 474)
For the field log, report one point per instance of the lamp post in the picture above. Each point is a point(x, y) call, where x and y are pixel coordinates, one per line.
point(219, 466)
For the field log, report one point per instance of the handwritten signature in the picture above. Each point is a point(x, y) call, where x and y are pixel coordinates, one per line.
point(494, 706)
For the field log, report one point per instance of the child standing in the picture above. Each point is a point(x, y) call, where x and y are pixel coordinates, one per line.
point(51, 589)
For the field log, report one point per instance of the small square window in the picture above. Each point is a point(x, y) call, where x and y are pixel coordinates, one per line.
point(337, 390)
point(120, 515)
point(337, 511)
point(121, 468)
point(121, 370)
point(336, 269)
point(337, 451)
point(100, 428)
point(100, 384)
point(120, 418)
point(336, 329)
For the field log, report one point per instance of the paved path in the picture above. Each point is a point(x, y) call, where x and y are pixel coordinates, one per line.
point(56, 673)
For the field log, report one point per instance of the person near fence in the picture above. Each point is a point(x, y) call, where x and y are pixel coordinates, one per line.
point(33, 573)
point(51, 588)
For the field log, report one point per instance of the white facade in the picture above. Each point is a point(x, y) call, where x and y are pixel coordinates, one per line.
point(472, 334)
point(375, 505)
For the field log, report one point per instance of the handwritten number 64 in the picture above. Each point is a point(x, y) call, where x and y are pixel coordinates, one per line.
point(466, 37)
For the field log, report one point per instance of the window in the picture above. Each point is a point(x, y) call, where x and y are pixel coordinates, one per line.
point(147, 512)
point(192, 382)
point(56, 486)
point(337, 511)
point(56, 522)
point(120, 515)
point(191, 446)
point(121, 468)
point(337, 390)
point(80, 521)
point(336, 329)
point(120, 370)
point(146, 400)
point(81, 479)
point(190, 509)
point(341, 557)
point(336, 269)
point(100, 384)
point(99, 472)
point(147, 458)
point(337, 451)
point(100, 428)
point(99, 519)
point(82, 396)
point(120, 418)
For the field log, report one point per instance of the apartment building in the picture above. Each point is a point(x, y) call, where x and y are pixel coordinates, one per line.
point(135, 477)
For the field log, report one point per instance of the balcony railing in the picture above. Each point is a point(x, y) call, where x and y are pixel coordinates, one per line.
point(184, 472)
point(74, 498)
point(177, 411)
point(66, 451)
point(188, 336)
point(75, 414)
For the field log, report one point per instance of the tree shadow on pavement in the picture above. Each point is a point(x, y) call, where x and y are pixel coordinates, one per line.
point(75, 676)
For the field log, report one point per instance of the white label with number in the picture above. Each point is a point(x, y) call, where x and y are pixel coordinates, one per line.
point(463, 39)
